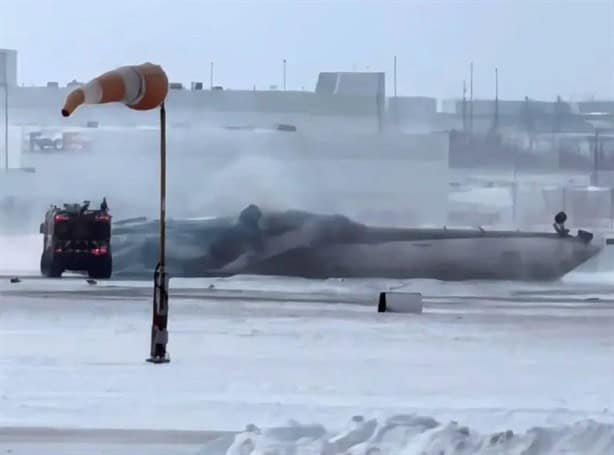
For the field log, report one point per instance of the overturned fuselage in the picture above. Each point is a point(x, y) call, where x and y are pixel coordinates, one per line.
point(302, 244)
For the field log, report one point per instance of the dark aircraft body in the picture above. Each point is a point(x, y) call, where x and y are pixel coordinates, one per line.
point(302, 244)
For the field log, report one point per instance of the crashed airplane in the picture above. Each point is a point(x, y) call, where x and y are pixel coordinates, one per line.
point(302, 244)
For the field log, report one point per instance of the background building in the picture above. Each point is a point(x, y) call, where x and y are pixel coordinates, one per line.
point(8, 67)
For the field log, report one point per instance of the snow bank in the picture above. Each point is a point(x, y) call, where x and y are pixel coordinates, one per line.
point(414, 434)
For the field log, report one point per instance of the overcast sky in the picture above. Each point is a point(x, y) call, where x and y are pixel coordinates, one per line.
point(542, 48)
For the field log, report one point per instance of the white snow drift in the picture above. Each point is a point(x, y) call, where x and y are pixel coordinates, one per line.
point(413, 434)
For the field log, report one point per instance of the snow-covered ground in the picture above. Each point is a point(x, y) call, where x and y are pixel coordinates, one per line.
point(492, 356)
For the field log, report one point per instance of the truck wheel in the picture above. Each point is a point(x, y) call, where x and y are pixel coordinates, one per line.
point(50, 267)
point(55, 269)
point(44, 265)
point(55, 272)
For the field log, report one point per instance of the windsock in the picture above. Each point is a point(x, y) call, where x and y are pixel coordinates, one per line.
point(139, 87)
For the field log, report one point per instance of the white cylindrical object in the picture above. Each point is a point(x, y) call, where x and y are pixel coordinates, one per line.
point(400, 302)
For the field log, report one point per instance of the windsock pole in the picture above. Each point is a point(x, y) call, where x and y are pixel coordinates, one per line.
point(159, 333)
point(139, 87)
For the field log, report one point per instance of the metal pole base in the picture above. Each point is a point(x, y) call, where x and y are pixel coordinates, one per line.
point(159, 333)
point(165, 359)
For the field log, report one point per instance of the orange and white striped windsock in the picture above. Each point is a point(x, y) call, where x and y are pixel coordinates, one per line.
point(139, 87)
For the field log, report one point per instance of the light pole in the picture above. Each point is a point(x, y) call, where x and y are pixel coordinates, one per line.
point(464, 108)
point(5, 84)
point(141, 87)
point(395, 76)
point(285, 74)
point(496, 119)
point(471, 98)
point(595, 173)
point(6, 124)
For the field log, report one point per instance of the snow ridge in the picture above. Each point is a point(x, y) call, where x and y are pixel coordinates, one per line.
point(412, 434)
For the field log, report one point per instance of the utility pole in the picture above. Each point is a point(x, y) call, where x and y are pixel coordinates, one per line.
point(556, 129)
point(496, 119)
point(528, 121)
point(6, 123)
point(595, 173)
point(471, 98)
point(395, 76)
point(211, 76)
point(464, 106)
point(378, 103)
point(285, 74)
point(6, 111)
point(556, 121)
point(394, 105)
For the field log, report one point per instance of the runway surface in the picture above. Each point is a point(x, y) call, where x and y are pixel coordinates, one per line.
point(263, 350)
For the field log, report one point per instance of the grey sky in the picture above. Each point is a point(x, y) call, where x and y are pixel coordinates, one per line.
point(542, 48)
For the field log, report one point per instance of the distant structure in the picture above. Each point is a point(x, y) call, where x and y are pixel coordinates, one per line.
point(371, 84)
point(341, 101)
point(8, 67)
point(74, 84)
point(355, 83)
point(8, 80)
